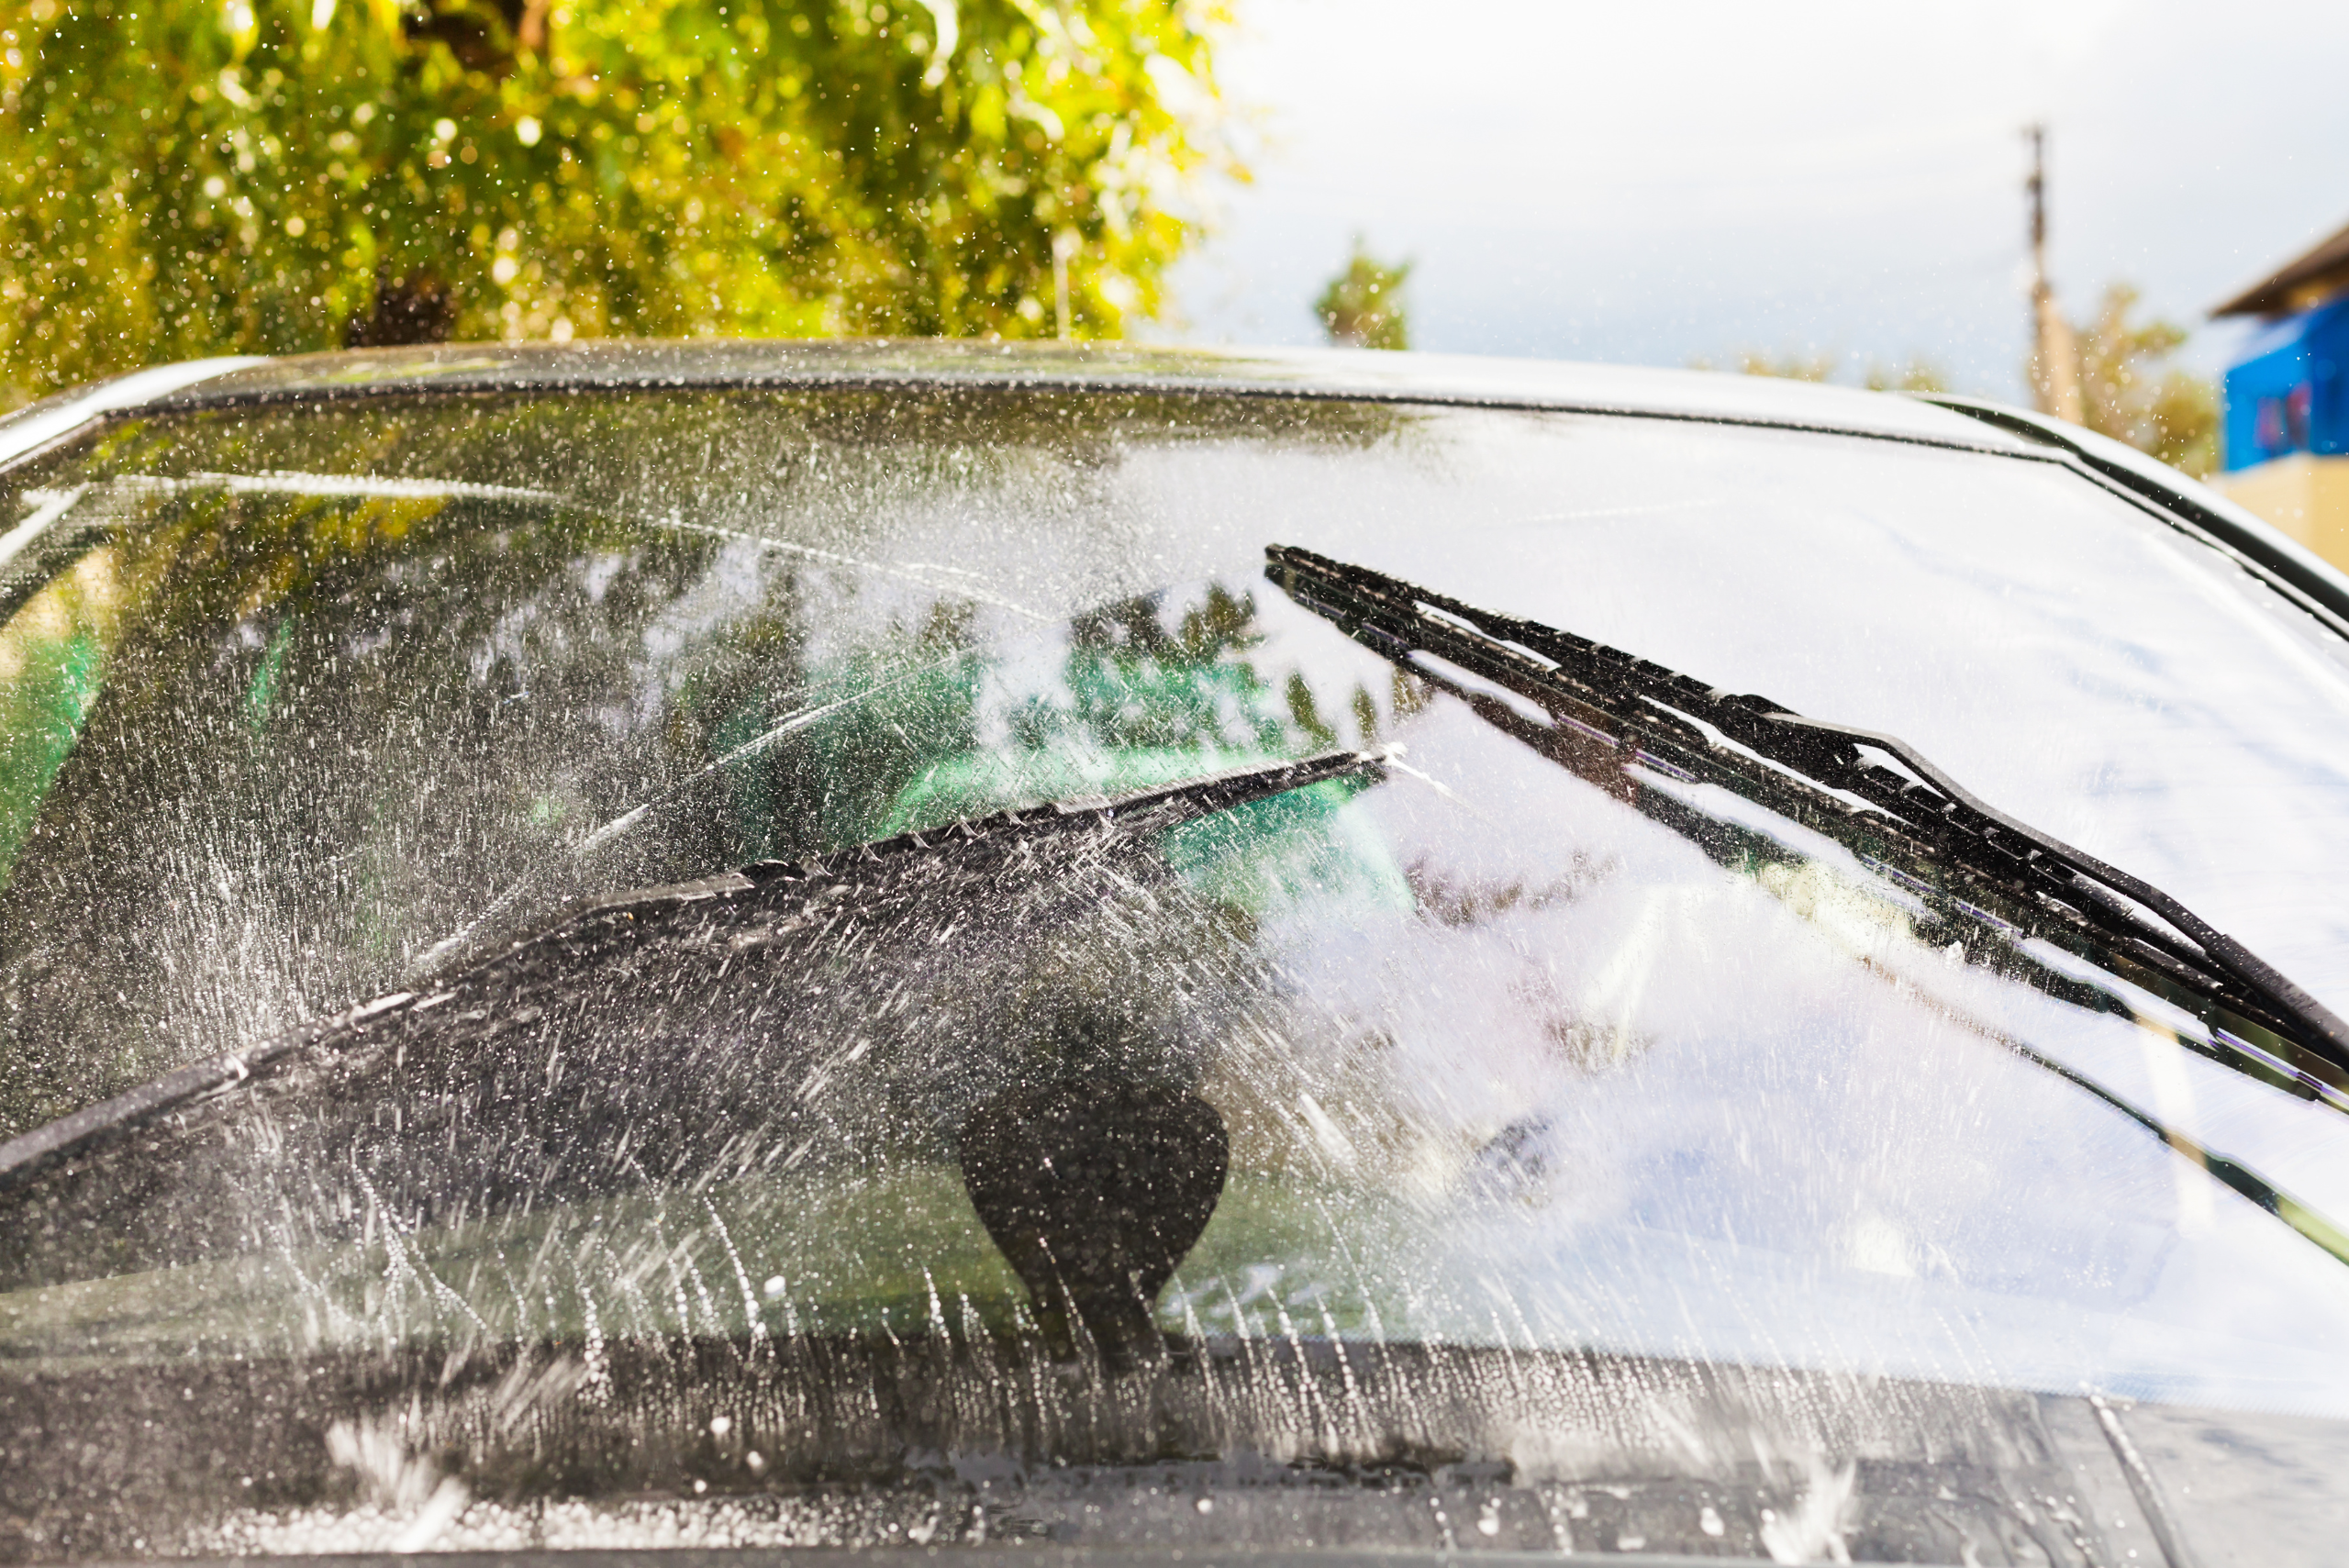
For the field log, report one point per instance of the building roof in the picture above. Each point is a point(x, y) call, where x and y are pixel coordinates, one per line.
point(2309, 279)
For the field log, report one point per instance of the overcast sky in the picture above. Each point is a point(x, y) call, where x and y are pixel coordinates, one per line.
point(1659, 183)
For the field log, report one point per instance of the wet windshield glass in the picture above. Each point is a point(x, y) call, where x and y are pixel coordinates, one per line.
point(637, 1084)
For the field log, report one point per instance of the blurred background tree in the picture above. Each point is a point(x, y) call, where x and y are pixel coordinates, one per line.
point(1793, 364)
point(1363, 307)
point(2131, 392)
point(190, 177)
point(1919, 375)
point(2130, 389)
point(1916, 374)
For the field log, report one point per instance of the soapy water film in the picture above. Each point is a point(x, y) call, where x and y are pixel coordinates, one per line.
point(1513, 1074)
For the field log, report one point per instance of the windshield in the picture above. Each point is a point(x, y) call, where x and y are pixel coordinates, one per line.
point(628, 1087)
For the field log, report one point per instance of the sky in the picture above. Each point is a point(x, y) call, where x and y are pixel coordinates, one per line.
point(1686, 179)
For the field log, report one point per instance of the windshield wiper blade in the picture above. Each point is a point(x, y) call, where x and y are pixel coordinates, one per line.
point(1563, 672)
point(1036, 842)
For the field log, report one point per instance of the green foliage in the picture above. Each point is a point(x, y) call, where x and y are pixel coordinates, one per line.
point(1135, 685)
point(2129, 391)
point(186, 177)
point(1362, 306)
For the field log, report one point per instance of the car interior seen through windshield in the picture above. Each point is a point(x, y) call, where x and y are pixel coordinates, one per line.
point(896, 968)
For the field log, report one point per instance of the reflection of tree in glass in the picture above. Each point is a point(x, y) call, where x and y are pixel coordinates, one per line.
point(1146, 697)
point(1135, 685)
point(796, 784)
point(1462, 901)
point(52, 660)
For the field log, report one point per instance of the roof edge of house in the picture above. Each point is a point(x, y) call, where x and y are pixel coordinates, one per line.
point(2326, 262)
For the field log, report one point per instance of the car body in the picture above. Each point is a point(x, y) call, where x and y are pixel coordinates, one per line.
point(924, 946)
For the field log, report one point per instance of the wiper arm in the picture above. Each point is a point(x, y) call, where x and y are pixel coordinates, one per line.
point(1563, 672)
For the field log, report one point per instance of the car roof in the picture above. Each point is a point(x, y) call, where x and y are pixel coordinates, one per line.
point(475, 369)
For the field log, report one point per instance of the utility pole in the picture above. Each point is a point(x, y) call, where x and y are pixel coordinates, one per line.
point(2055, 357)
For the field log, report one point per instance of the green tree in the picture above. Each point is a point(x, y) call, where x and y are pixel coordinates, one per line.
point(185, 177)
point(2132, 391)
point(1363, 307)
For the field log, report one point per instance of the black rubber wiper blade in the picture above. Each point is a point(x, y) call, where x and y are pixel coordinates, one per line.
point(1034, 841)
point(1561, 672)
